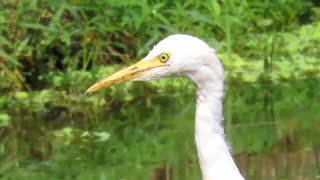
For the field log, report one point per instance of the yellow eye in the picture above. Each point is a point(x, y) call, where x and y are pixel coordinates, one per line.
point(164, 57)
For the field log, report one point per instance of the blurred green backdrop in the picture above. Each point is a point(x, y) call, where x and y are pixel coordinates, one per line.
point(52, 50)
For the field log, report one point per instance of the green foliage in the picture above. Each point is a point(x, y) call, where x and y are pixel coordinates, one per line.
point(51, 51)
point(4, 120)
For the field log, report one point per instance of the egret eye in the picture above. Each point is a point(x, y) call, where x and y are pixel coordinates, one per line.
point(164, 57)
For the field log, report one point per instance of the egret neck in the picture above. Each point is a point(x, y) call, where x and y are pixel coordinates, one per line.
point(185, 55)
point(213, 152)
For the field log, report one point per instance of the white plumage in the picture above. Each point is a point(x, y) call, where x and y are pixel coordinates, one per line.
point(188, 56)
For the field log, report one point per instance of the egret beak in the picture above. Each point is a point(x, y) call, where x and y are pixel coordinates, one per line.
point(129, 73)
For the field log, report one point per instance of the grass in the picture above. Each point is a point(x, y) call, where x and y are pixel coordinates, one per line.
point(138, 145)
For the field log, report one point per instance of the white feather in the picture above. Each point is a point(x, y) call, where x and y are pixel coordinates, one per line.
point(193, 58)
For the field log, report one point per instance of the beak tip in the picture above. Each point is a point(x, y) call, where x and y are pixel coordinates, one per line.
point(90, 90)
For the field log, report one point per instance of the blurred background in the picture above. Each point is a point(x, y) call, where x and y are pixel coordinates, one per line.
point(51, 51)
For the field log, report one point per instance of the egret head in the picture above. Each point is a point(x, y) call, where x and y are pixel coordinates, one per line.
point(176, 55)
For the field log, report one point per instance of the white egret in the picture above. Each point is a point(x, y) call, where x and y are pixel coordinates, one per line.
point(188, 56)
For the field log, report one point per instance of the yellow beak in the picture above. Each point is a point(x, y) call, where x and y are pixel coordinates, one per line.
point(129, 73)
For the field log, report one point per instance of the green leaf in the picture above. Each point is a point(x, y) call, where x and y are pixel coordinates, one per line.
point(68, 131)
point(57, 81)
point(38, 26)
point(101, 136)
point(21, 95)
point(9, 58)
point(22, 45)
point(4, 120)
point(5, 41)
point(216, 8)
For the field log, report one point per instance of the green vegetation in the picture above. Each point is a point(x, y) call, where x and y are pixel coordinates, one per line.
point(51, 51)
